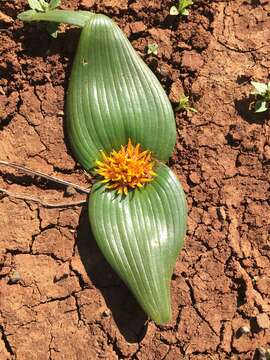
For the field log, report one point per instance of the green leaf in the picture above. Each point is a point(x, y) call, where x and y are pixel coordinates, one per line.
point(114, 96)
point(184, 12)
point(141, 235)
point(27, 15)
point(174, 11)
point(78, 18)
point(261, 106)
point(54, 4)
point(192, 110)
point(260, 87)
point(152, 49)
point(188, 3)
point(35, 5)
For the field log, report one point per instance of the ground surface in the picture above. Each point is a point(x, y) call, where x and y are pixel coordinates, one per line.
point(59, 298)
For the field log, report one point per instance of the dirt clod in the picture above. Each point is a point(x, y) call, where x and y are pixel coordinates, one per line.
point(263, 321)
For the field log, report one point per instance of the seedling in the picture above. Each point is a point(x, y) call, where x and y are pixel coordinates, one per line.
point(262, 93)
point(43, 7)
point(184, 104)
point(152, 49)
point(182, 8)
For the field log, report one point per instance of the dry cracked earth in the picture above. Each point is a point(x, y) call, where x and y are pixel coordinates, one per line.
point(59, 298)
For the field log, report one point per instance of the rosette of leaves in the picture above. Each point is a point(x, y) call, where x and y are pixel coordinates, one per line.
point(137, 208)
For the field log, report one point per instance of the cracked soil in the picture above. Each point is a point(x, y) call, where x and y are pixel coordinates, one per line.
point(58, 297)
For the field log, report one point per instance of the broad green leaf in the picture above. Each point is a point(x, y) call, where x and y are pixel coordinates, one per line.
point(261, 106)
point(260, 87)
point(141, 235)
point(114, 96)
point(54, 4)
point(35, 5)
point(174, 11)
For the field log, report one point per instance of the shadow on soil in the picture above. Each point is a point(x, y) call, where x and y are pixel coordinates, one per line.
point(126, 312)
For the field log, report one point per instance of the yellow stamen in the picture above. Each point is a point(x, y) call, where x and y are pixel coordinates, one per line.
point(129, 168)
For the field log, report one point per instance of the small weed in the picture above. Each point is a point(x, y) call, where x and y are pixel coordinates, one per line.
point(44, 6)
point(182, 8)
point(152, 49)
point(184, 105)
point(262, 93)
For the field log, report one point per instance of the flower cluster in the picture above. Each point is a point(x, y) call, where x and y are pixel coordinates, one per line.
point(129, 168)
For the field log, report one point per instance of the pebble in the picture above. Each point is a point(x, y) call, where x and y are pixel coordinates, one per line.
point(137, 27)
point(194, 178)
point(106, 313)
point(263, 321)
point(244, 330)
point(87, 3)
point(14, 277)
point(70, 191)
point(267, 152)
point(221, 213)
point(62, 272)
point(261, 352)
point(5, 18)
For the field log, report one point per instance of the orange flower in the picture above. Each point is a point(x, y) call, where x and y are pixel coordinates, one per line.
point(129, 168)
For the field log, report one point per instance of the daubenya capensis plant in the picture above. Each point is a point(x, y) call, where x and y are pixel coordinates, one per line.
point(121, 127)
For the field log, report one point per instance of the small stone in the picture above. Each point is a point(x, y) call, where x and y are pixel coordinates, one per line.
point(87, 4)
point(267, 152)
point(261, 352)
point(5, 18)
point(62, 272)
point(194, 178)
point(192, 60)
point(137, 27)
point(176, 92)
point(70, 191)
point(263, 321)
point(244, 330)
point(14, 277)
point(106, 313)
point(221, 213)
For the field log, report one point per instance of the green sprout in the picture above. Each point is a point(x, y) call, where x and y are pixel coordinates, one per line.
point(152, 49)
point(182, 8)
point(43, 6)
point(262, 93)
point(184, 105)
